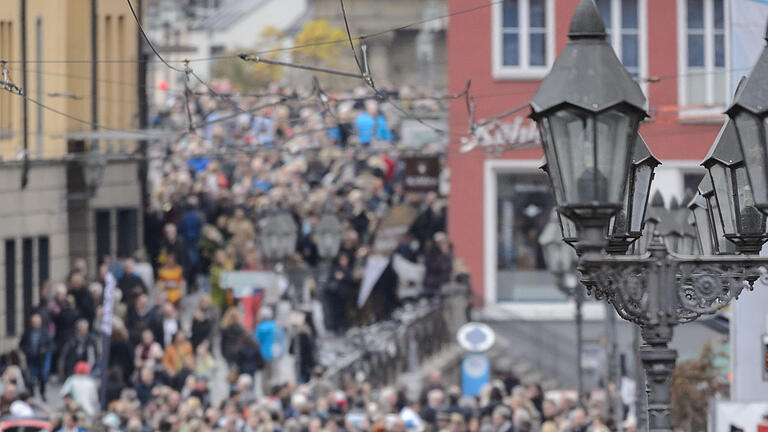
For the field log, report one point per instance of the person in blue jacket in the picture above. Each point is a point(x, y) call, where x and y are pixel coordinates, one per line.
point(270, 335)
point(371, 124)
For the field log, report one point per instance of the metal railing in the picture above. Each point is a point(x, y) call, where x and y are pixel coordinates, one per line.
point(380, 352)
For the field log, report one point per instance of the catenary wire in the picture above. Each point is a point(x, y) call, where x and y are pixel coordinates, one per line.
point(146, 38)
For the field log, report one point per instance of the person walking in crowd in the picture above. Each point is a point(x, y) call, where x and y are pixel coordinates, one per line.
point(36, 344)
point(82, 389)
point(170, 278)
point(81, 348)
point(178, 360)
point(203, 321)
point(130, 283)
point(148, 354)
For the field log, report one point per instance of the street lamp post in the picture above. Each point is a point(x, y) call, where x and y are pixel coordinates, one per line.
point(561, 261)
point(327, 236)
point(588, 109)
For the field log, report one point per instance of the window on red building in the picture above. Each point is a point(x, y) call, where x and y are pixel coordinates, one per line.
point(703, 53)
point(523, 38)
point(523, 204)
point(625, 26)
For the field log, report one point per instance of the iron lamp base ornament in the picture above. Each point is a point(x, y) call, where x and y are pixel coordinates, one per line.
point(659, 290)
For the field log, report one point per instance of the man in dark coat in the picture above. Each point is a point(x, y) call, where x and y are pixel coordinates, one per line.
point(130, 283)
point(36, 344)
point(82, 347)
point(172, 244)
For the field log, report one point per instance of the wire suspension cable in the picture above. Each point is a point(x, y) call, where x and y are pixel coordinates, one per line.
point(258, 59)
point(149, 42)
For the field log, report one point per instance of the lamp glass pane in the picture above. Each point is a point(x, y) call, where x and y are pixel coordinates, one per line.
point(703, 227)
point(724, 194)
point(573, 145)
point(750, 221)
point(721, 243)
point(701, 215)
point(553, 170)
point(615, 134)
point(640, 191)
point(753, 146)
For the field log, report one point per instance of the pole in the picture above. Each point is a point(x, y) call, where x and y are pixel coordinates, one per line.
point(641, 398)
point(94, 69)
point(141, 95)
point(24, 102)
point(614, 372)
point(579, 344)
point(659, 363)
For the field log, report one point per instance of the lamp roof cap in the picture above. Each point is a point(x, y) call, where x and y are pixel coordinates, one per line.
point(641, 152)
point(587, 74)
point(587, 22)
point(726, 149)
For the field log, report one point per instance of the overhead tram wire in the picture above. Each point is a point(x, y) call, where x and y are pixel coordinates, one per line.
point(257, 59)
point(365, 74)
point(146, 38)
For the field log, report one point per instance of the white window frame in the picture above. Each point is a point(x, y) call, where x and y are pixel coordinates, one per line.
point(616, 29)
point(711, 113)
point(523, 71)
point(528, 310)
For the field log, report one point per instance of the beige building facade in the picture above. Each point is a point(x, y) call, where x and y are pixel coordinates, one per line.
point(82, 196)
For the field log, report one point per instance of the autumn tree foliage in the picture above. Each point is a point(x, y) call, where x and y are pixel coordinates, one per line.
point(318, 44)
point(694, 383)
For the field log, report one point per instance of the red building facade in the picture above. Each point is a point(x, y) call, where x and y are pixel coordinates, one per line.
point(677, 50)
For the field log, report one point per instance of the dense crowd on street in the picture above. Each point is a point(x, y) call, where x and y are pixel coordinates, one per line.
point(177, 332)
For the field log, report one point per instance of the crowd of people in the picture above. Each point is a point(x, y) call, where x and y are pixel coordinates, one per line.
point(187, 352)
point(174, 325)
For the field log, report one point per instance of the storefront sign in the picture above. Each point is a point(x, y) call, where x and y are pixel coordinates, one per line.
point(475, 374)
point(476, 337)
point(519, 132)
point(422, 174)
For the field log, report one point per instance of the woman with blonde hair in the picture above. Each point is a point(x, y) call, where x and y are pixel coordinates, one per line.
point(232, 331)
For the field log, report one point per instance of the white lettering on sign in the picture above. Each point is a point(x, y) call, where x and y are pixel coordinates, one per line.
point(421, 181)
point(518, 132)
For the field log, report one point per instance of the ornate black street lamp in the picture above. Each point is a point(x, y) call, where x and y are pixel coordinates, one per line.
point(278, 235)
point(720, 244)
point(327, 235)
point(743, 223)
point(749, 113)
point(588, 109)
point(627, 225)
point(703, 222)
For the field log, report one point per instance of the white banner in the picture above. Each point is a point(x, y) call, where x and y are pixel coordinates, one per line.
point(244, 283)
point(374, 267)
point(109, 299)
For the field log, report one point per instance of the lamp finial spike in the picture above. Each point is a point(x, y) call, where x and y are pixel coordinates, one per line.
point(587, 22)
